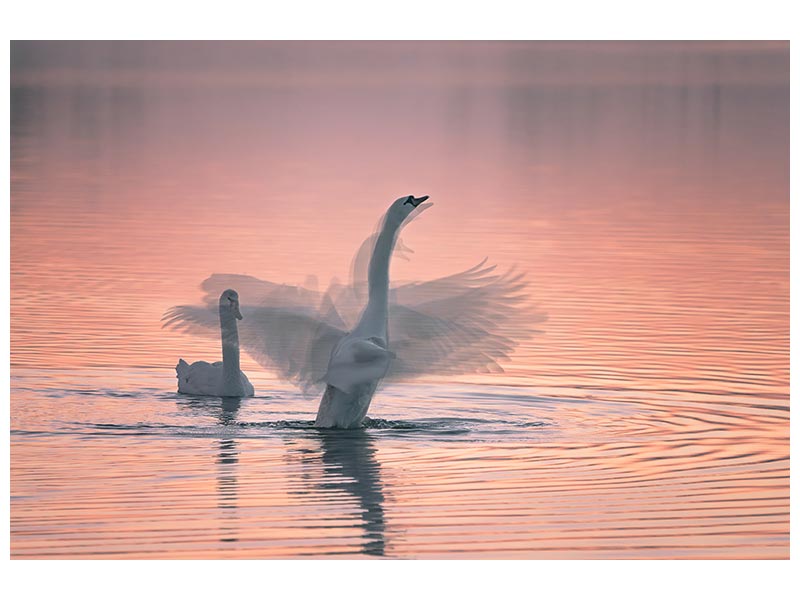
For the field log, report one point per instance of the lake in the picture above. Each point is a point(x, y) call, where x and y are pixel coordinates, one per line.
point(643, 189)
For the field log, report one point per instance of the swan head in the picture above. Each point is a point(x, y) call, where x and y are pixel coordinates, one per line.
point(229, 301)
point(414, 202)
point(402, 208)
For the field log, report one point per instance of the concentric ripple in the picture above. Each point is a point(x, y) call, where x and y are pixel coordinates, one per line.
point(140, 475)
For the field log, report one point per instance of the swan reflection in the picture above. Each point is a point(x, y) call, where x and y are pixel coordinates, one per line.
point(350, 465)
point(225, 411)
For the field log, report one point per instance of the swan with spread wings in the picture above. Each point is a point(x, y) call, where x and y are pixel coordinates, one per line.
point(468, 322)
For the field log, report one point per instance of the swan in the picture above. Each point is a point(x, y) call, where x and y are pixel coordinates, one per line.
point(220, 378)
point(464, 323)
point(362, 357)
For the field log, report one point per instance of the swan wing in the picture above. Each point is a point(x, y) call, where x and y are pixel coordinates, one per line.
point(339, 305)
point(255, 291)
point(469, 322)
point(295, 345)
point(445, 288)
point(298, 346)
point(196, 320)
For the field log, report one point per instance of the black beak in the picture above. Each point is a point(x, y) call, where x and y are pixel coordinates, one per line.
point(415, 202)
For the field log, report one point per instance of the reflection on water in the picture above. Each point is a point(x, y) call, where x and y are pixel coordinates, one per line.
point(340, 470)
point(617, 474)
point(351, 466)
point(225, 410)
point(227, 486)
point(643, 188)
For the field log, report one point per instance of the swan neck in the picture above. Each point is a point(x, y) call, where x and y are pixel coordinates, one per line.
point(230, 352)
point(376, 313)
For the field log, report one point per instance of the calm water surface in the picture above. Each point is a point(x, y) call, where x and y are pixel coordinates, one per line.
point(643, 188)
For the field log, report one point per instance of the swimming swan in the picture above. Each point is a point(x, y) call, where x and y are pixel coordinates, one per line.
point(220, 378)
point(362, 357)
point(464, 323)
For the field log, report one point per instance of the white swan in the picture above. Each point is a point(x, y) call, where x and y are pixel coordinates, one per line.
point(464, 323)
point(220, 378)
point(362, 357)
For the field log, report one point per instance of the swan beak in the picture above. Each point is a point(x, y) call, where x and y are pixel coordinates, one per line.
point(237, 313)
point(415, 202)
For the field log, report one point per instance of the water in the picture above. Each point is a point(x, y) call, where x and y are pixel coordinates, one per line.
point(643, 188)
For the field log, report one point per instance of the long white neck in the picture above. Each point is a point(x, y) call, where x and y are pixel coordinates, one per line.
point(231, 379)
point(375, 316)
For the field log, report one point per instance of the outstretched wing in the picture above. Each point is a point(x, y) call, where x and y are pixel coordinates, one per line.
point(469, 322)
point(444, 288)
point(254, 291)
point(296, 346)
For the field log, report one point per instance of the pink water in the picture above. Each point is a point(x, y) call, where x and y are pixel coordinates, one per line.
point(642, 187)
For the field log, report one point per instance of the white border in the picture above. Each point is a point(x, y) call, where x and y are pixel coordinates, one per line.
point(411, 19)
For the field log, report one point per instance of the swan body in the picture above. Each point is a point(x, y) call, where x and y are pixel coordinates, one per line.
point(361, 358)
point(202, 378)
point(222, 378)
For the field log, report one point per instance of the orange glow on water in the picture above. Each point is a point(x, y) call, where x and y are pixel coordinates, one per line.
point(650, 213)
